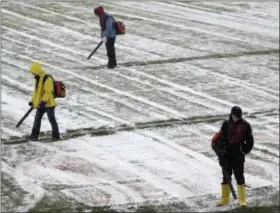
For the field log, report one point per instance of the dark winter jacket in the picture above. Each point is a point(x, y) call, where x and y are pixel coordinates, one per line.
point(239, 139)
point(106, 22)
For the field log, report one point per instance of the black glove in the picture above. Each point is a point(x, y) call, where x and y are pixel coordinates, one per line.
point(30, 103)
point(245, 149)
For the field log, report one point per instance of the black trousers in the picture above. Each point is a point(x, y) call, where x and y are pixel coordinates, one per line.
point(237, 168)
point(37, 122)
point(110, 47)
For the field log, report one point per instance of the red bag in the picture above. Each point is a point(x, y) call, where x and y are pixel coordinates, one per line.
point(60, 91)
point(59, 87)
point(120, 28)
point(215, 137)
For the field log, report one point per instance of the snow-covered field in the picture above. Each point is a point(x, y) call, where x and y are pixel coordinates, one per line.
point(178, 60)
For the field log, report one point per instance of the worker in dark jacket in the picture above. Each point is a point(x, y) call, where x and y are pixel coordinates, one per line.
point(108, 34)
point(239, 141)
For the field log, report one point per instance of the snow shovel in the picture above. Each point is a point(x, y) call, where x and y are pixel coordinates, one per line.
point(24, 117)
point(96, 48)
point(229, 182)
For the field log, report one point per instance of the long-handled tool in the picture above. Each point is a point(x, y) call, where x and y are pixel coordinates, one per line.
point(96, 48)
point(219, 146)
point(24, 117)
point(229, 182)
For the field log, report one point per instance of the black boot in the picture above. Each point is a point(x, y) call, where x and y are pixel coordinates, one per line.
point(110, 64)
point(33, 138)
point(114, 62)
point(56, 138)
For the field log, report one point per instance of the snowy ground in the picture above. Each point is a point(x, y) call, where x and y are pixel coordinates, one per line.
point(183, 78)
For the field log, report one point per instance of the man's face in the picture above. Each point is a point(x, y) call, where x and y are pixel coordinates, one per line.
point(95, 13)
point(234, 118)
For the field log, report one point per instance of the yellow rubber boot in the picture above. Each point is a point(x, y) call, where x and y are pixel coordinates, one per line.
point(225, 191)
point(241, 195)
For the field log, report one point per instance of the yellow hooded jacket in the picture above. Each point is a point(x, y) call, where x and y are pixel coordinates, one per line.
point(43, 92)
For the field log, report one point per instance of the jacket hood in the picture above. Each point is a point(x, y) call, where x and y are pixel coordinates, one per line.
point(36, 69)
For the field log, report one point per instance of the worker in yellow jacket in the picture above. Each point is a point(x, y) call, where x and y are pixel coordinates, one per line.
point(43, 99)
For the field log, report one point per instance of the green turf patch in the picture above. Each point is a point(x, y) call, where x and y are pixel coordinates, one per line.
point(266, 209)
point(58, 202)
point(12, 196)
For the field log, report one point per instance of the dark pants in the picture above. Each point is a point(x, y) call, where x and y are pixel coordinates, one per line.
point(237, 168)
point(37, 122)
point(110, 47)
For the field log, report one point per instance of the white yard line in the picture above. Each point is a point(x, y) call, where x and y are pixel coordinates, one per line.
point(140, 165)
point(231, 80)
point(144, 100)
point(266, 92)
point(73, 32)
point(47, 11)
point(97, 118)
point(187, 89)
point(11, 132)
point(49, 52)
point(233, 38)
point(189, 98)
point(52, 44)
point(173, 92)
point(112, 98)
point(108, 115)
point(146, 49)
point(222, 20)
point(14, 82)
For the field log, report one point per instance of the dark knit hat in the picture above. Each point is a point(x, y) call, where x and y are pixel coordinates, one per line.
point(237, 111)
